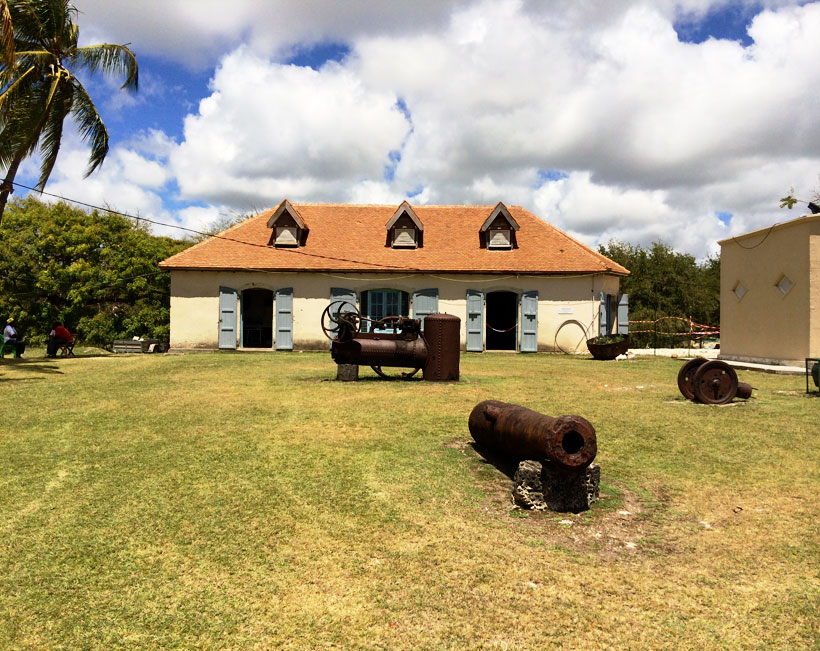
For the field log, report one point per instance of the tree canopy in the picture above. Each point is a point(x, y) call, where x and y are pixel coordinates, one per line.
point(39, 88)
point(96, 271)
point(663, 283)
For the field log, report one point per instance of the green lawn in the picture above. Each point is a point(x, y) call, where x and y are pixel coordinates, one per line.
point(249, 501)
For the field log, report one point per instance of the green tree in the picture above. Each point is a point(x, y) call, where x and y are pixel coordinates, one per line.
point(665, 283)
point(40, 88)
point(96, 271)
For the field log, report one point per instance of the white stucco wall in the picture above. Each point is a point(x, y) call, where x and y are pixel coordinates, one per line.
point(568, 307)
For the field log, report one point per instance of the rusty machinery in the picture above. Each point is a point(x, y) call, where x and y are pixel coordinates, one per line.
point(712, 382)
point(395, 342)
point(568, 442)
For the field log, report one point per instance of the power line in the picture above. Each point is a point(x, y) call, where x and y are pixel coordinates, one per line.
point(214, 236)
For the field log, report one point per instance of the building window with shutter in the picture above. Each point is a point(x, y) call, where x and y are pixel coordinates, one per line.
point(404, 238)
point(498, 232)
point(288, 229)
point(499, 238)
point(404, 229)
point(286, 236)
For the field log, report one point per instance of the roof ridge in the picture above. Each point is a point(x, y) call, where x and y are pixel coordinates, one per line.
point(395, 205)
point(601, 257)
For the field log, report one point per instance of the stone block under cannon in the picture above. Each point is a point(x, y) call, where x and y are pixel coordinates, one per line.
point(393, 342)
point(564, 447)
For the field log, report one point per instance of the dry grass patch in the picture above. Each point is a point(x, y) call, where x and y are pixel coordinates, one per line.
point(246, 501)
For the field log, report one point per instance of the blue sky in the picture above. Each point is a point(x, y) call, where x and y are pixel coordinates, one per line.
point(676, 120)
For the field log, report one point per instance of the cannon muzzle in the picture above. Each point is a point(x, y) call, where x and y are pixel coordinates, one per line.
point(521, 433)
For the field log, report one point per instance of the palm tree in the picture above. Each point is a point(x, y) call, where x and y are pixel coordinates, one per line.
point(6, 34)
point(38, 88)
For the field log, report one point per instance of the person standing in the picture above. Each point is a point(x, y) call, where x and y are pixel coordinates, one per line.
point(59, 336)
point(11, 336)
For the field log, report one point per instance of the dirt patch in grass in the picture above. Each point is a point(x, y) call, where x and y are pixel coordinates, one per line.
point(620, 524)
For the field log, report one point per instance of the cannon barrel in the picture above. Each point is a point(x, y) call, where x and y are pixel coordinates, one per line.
point(515, 431)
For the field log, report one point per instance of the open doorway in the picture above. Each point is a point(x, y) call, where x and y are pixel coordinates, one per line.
point(257, 318)
point(502, 320)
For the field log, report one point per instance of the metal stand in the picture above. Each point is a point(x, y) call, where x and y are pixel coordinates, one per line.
point(810, 361)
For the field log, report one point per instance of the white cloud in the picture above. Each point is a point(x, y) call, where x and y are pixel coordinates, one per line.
point(656, 136)
point(269, 130)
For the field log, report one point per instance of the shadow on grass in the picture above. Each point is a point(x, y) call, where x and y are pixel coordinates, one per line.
point(29, 366)
point(503, 464)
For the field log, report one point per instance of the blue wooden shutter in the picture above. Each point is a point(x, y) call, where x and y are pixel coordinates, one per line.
point(425, 301)
point(605, 318)
point(342, 294)
point(475, 321)
point(284, 318)
point(529, 322)
point(623, 314)
point(227, 317)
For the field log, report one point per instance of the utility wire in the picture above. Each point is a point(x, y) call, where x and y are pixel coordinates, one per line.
point(214, 236)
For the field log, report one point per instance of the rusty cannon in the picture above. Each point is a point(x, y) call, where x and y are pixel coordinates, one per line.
point(394, 342)
point(711, 382)
point(513, 431)
point(555, 455)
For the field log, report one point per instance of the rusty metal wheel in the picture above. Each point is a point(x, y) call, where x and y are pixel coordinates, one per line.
point(340, 320)
point(715, 383)
point(400, 376)
point(686, 377)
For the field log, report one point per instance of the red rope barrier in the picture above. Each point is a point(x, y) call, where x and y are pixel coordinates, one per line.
point(696, 330)
point(489, 327)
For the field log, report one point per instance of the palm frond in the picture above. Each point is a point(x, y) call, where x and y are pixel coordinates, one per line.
point(12, 86)
point(23, 121)
point(59, 106)
point(6, 34)
point(110, 59)
point(90, 126)
point(27, 19)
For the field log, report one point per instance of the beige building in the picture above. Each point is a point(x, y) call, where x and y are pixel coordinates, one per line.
point(516, 282)
point(770, 294)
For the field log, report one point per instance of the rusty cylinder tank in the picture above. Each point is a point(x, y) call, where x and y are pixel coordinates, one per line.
point(442, 332)
point(370, 349)
point(521, 433)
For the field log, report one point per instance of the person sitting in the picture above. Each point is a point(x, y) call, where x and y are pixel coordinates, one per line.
point(59, 336)
point(11, 336)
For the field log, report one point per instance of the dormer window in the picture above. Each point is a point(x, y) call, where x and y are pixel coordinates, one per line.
point(499, 229)
point(404, 238)
point(404, 229)
point(285, 236)
point(499, 238)
point(288, 228)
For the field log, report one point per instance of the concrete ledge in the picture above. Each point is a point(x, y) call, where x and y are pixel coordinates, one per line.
point(779, 367)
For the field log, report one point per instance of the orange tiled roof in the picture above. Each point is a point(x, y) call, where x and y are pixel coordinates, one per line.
point(345, 237)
